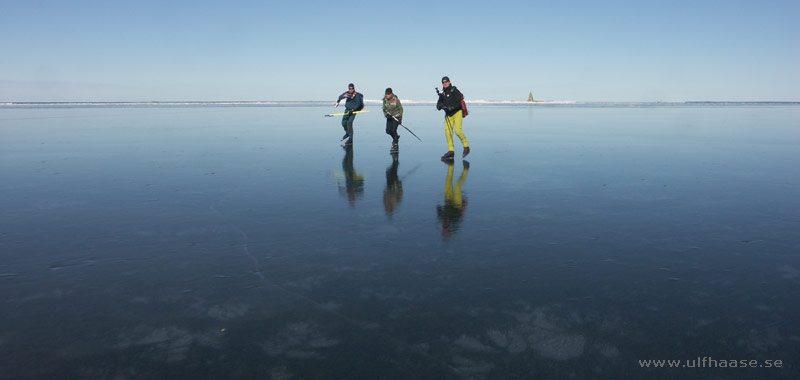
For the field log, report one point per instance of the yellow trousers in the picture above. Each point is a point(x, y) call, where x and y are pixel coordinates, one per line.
point(453, 123)
point(454, 196)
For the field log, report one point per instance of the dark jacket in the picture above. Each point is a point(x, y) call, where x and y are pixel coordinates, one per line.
point(353, 103)
point(450, 100)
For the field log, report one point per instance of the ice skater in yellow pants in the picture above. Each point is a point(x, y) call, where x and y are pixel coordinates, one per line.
point(451, 214)
point(453, 123)
point(450, 101)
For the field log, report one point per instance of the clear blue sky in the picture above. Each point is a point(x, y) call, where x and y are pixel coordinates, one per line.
point(310, 50)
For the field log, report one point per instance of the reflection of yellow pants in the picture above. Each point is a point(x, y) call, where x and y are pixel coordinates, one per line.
point(454, 123)
point(454, 196)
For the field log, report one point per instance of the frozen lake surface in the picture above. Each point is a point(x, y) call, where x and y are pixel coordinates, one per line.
point(244, 242)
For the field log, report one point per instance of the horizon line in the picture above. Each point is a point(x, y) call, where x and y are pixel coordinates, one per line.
point(379, 101)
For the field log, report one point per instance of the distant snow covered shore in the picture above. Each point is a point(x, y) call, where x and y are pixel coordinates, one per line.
point(263, 103)
point(370, 102)
point(479, 101)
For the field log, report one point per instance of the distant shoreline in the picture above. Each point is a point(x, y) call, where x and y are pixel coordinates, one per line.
point(374, 102)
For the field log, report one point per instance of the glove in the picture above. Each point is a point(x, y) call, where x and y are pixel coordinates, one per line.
point(438, 107)
point(336, 105)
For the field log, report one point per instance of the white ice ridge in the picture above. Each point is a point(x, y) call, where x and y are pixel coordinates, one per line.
point(478, 101)
point(372, 102)
point(262, 103)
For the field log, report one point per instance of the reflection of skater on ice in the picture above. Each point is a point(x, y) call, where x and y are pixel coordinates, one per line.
point(353, 181)
point(452, 213)
point(393, 193)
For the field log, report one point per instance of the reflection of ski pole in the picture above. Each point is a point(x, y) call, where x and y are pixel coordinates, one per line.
point(401, 124)
point(410, 172)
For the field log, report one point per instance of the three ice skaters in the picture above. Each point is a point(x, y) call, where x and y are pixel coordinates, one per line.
point(451, 101)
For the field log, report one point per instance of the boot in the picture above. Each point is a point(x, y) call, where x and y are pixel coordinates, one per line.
point(466, 151)
point(449, 155)
point(344, 137)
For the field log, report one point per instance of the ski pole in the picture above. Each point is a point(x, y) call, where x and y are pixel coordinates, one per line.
point(409, 131)
point(345, 113)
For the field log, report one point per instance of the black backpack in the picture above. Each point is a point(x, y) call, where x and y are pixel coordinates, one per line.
point(361, 107)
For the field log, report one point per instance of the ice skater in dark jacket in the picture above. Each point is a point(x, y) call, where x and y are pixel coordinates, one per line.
point(450, 101)
point(355, 102)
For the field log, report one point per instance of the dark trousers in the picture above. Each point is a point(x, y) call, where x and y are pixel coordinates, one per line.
point(347, 123)
point(391, 128)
